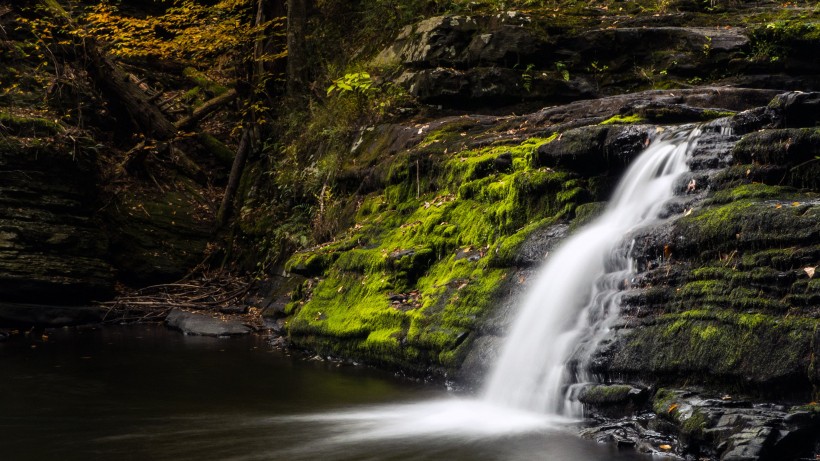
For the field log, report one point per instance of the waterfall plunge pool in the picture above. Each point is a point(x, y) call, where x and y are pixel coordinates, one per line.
point(145, 393)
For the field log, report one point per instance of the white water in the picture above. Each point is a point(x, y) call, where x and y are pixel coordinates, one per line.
point(567, 312)
point(573, 302)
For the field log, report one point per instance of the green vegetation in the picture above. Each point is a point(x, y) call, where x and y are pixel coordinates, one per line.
point(26, 126)
point(622, 120)
point(419, 268)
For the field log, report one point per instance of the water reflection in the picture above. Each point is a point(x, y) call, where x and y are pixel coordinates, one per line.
point(143, 393)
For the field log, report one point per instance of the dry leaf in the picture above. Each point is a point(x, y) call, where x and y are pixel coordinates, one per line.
point(810, 271)
point(672, 408)
point(778, 206)
point(665, 447)
point(795, 203)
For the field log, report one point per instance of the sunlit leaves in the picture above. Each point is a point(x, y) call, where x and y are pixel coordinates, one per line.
point(187, 31)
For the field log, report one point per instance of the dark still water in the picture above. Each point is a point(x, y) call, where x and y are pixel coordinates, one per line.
point(145, 393)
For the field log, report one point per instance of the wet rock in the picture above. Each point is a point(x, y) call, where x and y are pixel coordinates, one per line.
point(783, 147)
point(594, 150)
point(736, 430)
point(612, 400)
point(201, 324)
point(535, 249)
point(503, 162)
point(797, 109)
point(51, 248)
point(751, 120)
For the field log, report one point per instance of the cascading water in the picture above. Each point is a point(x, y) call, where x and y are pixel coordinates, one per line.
point(572, 304)
point(567, 313)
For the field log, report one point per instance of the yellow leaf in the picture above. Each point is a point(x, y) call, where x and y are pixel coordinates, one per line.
point(795, 203)
point(672, 408)
point(665, 447)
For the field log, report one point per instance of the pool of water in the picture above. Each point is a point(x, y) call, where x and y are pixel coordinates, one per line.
point(146, 393)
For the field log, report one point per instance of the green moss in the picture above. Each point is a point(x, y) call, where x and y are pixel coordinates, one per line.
point(694, 424)
point(28, 126)
point(762, 350)
point(623, 120)
point(606, 395)
point(216, 148)
point(203, 81)
point(750, 224)
point(757, 191)
point(418, 270)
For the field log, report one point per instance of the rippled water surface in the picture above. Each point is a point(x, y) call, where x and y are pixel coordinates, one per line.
point(145, 393)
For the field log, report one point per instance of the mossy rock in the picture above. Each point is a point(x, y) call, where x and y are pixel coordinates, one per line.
point(408, 284)
point(29, 127)
point(784, 147)
point(760, 353)
point(750, 224)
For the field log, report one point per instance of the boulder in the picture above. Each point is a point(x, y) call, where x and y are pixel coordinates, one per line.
point(465, 41)
point(797, 109)
point(202, 324)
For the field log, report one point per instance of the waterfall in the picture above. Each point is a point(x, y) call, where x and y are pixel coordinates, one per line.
point(567, 313)
point(572, 304)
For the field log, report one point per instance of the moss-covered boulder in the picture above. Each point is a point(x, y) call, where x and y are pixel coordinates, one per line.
point(410, 282)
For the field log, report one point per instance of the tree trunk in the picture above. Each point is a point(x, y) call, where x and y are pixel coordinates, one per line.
point(207, 108)
point(138, 105)
point(226, 208)
point(297, 56)
point(256, 73)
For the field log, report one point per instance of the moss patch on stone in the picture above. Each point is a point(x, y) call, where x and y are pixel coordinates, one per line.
point(31, 127)
point(409, 282)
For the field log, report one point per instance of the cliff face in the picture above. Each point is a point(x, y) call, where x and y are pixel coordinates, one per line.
point(451, 216)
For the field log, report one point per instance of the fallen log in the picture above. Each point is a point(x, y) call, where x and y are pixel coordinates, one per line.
point(112, 78)
point(208, 107)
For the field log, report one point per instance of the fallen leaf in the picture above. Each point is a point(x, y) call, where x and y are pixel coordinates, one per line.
point(795, 203)
point(779, 206)
point(672, 408)
point(665, 447)
point(810, 271)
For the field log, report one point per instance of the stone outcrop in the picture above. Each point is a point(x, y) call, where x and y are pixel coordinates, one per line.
point(483, 61)
point(51, 248)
